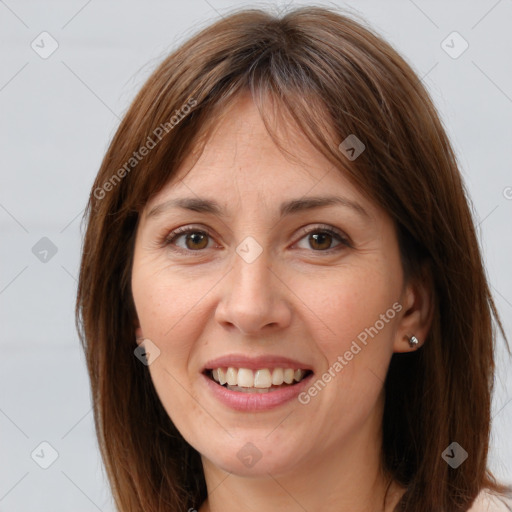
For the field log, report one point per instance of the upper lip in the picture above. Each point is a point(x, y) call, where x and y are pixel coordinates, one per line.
point(255, 363)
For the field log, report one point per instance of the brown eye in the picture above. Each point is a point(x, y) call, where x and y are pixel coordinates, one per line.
point(196, 240)
point(323, 239)
point(188, 239)
point(320, 241)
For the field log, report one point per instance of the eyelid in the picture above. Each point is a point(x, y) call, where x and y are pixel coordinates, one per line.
point(343, 238)
point(303, 231)
point(187, 228)
point(183, 230)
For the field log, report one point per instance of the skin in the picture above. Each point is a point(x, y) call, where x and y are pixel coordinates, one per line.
point(300, 298)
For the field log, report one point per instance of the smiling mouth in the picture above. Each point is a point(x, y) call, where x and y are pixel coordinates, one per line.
point(263, 380)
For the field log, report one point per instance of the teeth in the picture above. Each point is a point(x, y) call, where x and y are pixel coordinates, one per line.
point(289, 375)
point(277, 376)
point(232, 376)
point(263, 378)
point(245, 378)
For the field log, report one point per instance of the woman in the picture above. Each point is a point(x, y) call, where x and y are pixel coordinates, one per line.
point(282, 300)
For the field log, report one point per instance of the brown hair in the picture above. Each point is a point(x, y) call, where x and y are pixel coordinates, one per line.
point(334, 77)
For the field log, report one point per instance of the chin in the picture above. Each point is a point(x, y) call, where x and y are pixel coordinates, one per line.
point(255, 458)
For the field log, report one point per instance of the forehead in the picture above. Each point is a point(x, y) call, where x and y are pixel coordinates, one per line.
point(240, 159)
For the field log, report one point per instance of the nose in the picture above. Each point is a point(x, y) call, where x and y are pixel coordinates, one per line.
point(254, 300)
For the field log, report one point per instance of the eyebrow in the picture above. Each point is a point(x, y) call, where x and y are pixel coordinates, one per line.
point(290, 207)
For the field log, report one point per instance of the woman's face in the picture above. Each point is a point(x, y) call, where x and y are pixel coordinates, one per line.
point(285, 267)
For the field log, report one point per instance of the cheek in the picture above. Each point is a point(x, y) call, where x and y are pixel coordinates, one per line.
point(166, 304)
point(350, 303)
point(353, 326)
point(169, 310)
point(164, 297)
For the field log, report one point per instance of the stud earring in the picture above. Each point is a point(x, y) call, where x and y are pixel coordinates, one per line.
point(413, 341)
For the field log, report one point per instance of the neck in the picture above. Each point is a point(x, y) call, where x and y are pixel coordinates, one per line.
point(346, 477)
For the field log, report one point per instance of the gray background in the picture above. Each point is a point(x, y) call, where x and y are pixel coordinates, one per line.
point(58, 115)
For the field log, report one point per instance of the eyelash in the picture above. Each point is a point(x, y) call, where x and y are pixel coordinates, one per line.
point(169, 240)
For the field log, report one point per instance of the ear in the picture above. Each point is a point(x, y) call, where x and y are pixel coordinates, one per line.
point(139, 336)
point(417, 314)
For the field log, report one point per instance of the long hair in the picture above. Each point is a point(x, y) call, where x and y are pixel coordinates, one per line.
point(333, 77)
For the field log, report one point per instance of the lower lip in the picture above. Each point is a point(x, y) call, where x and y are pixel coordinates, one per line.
point(255, 401)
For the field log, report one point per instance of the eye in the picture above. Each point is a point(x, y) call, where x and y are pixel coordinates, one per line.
point(321, 238)
point(189, 239)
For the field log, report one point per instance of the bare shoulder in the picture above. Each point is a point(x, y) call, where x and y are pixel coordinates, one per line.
point(488, 502)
